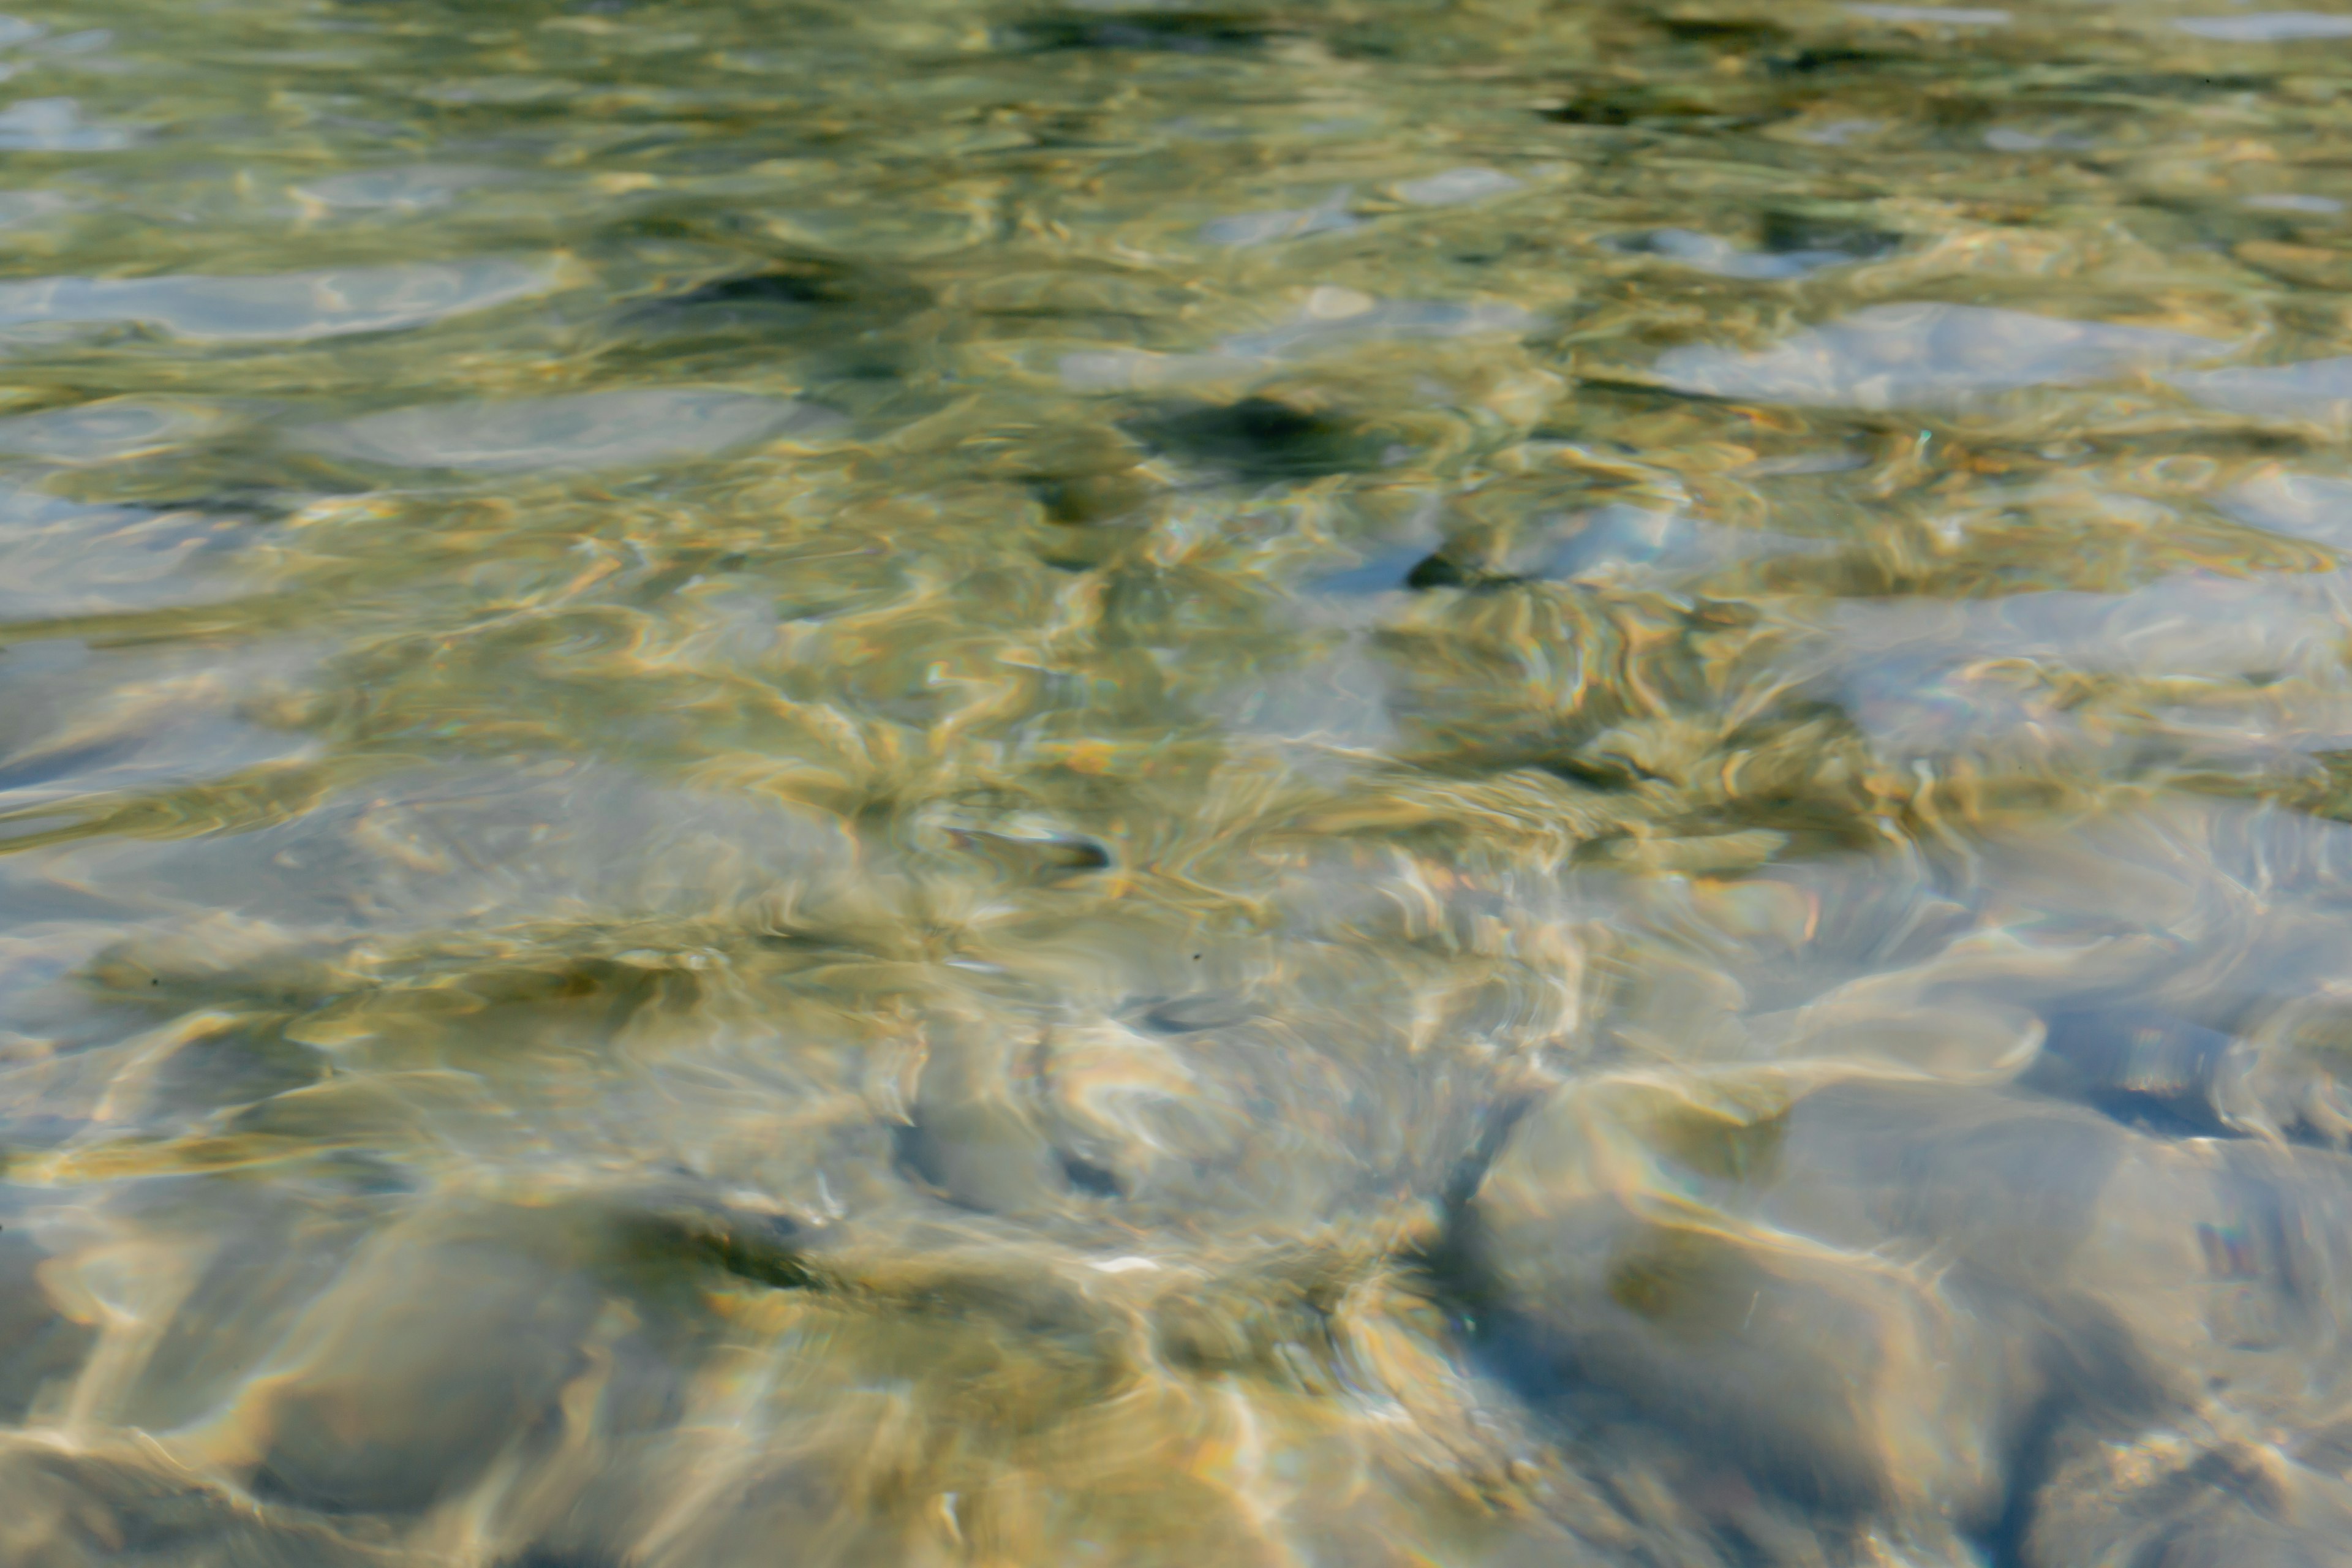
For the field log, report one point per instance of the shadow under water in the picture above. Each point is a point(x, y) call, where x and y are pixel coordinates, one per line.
point(1289, 782)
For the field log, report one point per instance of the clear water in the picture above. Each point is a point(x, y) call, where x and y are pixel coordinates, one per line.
point(1364, 783)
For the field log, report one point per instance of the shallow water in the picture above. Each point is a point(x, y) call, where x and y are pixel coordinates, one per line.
point(1308, 784)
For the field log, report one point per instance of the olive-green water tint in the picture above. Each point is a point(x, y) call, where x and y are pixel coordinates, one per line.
point(1351, 784)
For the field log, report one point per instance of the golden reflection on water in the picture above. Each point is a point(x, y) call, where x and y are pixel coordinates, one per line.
point(1484, 784)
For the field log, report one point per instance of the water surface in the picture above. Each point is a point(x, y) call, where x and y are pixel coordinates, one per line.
point(1322, 784)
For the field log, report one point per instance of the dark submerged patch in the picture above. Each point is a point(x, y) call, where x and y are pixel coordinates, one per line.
point(1258, 439)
